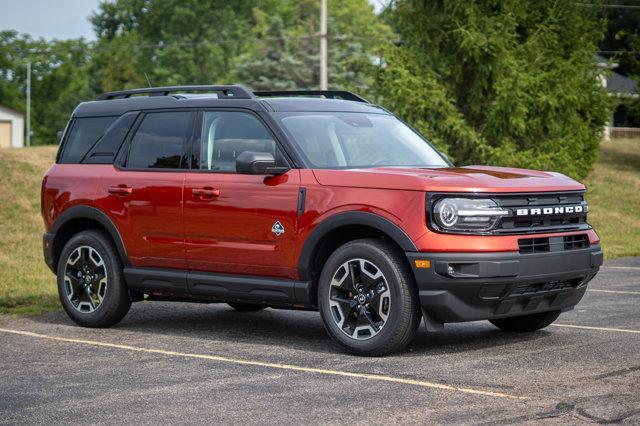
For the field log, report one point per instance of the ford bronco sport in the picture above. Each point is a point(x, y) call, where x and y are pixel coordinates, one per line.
point(303, 200)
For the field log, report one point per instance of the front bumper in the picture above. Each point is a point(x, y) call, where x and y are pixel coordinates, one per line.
point(47, 250)
point(477, 286)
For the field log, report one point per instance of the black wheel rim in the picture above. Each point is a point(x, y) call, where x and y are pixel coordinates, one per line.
point(85, 279)
point(359, 299)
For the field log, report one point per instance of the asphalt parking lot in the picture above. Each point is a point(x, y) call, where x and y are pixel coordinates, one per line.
point(192, 363)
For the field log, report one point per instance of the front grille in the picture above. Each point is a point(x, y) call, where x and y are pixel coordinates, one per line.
point(549, 244)
point(538, 288)
point(556, 221)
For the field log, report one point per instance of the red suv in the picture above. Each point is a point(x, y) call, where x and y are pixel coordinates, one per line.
point(303, 200)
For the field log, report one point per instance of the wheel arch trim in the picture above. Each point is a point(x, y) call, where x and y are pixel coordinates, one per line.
point(345, 219)
point(92, 213)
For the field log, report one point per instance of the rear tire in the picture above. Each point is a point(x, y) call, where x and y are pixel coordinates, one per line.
point(526, 323)
point(368, 299)
point(246, 307)
point(91, 285)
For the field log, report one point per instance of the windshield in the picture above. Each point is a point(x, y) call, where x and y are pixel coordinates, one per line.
point(333, 140)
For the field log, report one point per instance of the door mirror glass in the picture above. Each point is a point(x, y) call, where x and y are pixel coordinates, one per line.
point(258, 163)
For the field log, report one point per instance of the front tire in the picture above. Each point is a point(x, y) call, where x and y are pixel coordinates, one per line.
point(526, 323)
point(91, 285)
point(368, 299)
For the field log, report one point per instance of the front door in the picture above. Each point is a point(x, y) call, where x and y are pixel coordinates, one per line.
point(235, 223)
point(143, 197)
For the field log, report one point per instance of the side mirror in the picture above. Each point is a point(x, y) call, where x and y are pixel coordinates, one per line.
point(258, 163)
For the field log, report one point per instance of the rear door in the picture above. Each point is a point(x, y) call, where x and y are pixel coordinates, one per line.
point(142, 194)
point(236, 223)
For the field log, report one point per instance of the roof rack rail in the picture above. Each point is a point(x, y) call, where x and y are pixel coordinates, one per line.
point(329, 94)
point(224, 91)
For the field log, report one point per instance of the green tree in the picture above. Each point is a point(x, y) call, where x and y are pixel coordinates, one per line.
point(286, 52)
point(275, 62)
point(174, 41)
point(622, 44)
point(60, 78)
point(501, 82)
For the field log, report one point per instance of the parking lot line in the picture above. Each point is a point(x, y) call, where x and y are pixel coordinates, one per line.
point(615, 291)
point(366, 376)
point(621, 267)
point(588, 327)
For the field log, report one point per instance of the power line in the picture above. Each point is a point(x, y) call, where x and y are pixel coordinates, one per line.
point(162, 45)
point(610, 6)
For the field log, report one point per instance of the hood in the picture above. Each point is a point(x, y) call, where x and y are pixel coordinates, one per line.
point(451, 179)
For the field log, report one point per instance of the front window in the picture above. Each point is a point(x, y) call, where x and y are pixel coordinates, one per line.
point(334, 140)
point(227, 134)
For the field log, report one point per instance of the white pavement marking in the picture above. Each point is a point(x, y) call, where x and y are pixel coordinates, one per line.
point(637, 293)
point(586, 327)
point(374, 377)
point(637, 268)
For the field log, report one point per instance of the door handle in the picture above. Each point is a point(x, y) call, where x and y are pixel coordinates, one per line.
point(120, 190)
point(206, 192)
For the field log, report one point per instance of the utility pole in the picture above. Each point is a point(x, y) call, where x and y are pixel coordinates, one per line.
point(28, 103)
point(323, 45)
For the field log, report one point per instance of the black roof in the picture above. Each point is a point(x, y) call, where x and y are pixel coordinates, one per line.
point(233, 96)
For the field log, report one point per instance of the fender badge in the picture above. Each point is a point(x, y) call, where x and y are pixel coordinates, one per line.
point(277, 228)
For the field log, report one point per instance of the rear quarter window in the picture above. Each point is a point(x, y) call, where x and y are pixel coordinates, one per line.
point(106, 148)
point(84, 134)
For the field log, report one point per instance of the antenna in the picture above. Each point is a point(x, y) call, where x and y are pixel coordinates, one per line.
point(148, 81)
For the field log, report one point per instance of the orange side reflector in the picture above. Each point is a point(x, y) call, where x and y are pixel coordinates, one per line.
point(423, 263)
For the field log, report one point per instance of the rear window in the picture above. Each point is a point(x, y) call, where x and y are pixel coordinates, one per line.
point(84, 133)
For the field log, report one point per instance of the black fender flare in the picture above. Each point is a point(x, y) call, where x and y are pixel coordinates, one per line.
point(350, 218)
point(88, 212)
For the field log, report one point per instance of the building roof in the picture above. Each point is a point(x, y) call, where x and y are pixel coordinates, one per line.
point(11, 111)
point(617, 83)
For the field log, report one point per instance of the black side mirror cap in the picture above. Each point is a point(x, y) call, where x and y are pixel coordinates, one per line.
point(258, 163)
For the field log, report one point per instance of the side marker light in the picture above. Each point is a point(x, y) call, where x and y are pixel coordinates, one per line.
point(422, 264)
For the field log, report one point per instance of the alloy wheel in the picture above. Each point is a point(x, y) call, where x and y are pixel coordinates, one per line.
point(85, 279)
point(359, 299)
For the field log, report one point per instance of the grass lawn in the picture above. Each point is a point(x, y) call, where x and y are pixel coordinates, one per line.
point(27, 286)
point(614, 197)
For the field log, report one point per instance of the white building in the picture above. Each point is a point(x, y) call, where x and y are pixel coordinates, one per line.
point(11, 128)
point(622, 88)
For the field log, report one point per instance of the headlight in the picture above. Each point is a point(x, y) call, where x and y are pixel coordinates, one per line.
point(466, 214)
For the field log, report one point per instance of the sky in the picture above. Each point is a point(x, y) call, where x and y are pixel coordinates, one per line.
point(61, 19)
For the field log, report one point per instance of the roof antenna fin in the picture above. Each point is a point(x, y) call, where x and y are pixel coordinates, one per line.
point(148, 81)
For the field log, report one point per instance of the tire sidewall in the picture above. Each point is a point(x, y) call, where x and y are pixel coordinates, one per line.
point(397, 284)
point(113, 295)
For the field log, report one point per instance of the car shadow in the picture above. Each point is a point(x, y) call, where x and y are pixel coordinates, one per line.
point(298, 330)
